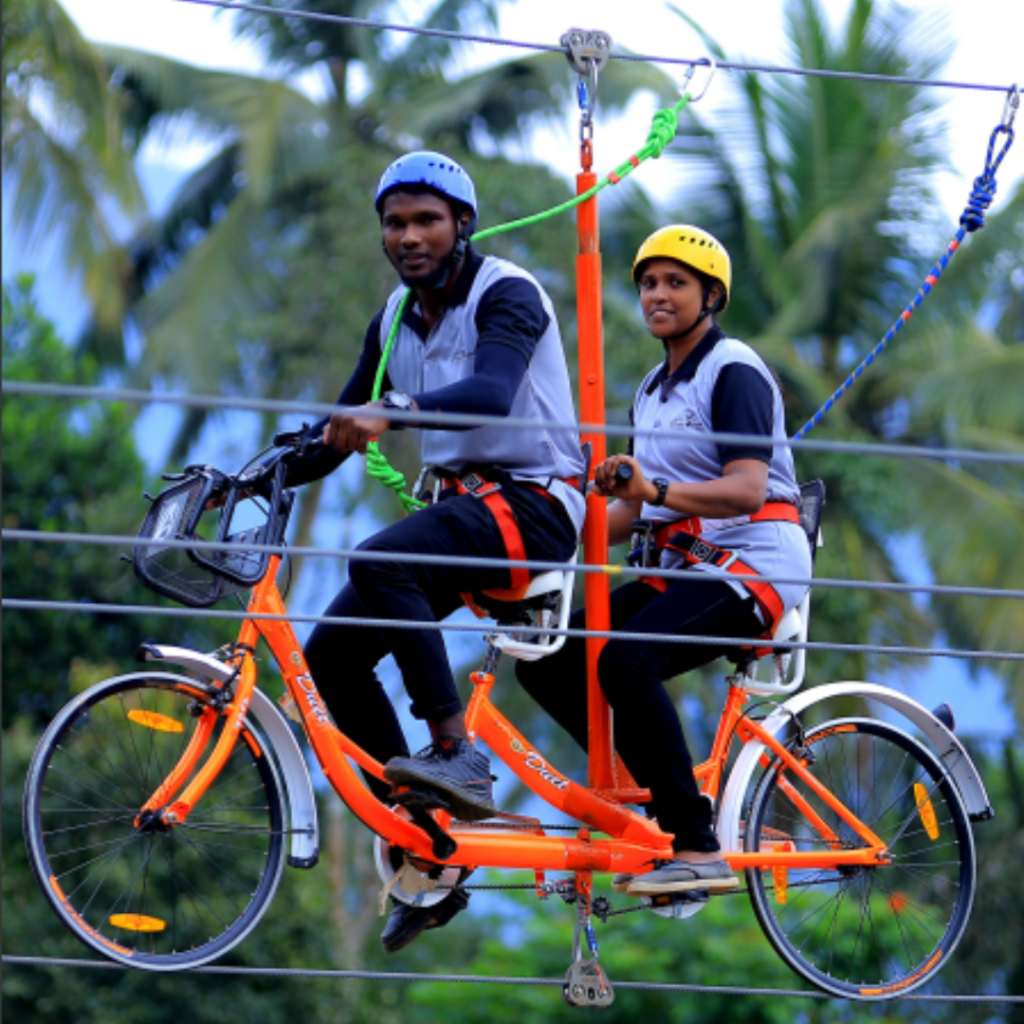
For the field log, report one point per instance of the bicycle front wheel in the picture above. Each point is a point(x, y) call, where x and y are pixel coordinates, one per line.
point(864, 932)
point(147, 895)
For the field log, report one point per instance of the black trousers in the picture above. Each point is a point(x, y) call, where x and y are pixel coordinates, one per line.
point(648, 733)
point(343, 659)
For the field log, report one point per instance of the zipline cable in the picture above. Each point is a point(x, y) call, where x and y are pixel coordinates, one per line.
point(97, 608)
point(473, 562)
point(764, 69)
point(273, 405)
point(485, 979)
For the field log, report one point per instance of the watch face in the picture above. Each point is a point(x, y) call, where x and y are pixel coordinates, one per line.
point(397, 400)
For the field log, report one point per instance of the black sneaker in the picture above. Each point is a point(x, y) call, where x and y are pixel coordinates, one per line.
point(407, 922)
point(454, 769)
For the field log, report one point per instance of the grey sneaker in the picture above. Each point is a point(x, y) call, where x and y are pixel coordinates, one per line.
point(683, 876)
point(453, 769)
point(621, 881)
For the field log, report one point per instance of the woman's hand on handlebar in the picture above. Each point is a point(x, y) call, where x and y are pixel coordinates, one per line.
point(351, 430)
point(621, 477)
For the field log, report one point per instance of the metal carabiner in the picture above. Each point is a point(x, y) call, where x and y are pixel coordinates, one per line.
point(705, 62)
point(1011, 106)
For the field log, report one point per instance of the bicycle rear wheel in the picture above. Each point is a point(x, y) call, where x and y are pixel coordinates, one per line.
point(150, 896)
point(865, 932)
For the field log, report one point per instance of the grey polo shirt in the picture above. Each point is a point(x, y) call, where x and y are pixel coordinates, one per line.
point(724, 386)
point(499, 297)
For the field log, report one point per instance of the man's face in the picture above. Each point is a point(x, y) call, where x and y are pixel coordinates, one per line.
point(419, 234)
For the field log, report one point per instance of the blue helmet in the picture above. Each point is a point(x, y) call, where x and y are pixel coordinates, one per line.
point(434, 170)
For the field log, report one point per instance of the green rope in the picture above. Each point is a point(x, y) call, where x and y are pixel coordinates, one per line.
point(663, 131)
point(376, 464)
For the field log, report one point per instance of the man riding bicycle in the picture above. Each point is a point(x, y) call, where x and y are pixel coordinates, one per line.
point(478, 335)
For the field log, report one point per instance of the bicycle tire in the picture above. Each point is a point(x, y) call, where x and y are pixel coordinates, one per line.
point(155, 898)
point(877, 932)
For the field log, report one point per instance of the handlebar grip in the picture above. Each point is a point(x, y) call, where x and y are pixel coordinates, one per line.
point(623, 473)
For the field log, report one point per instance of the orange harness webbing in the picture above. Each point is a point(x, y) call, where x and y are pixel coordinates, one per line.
point(489, 494)
point(683, 537)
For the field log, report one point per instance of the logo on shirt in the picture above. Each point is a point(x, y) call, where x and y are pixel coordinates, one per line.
point(689, 420)
point(461, 353)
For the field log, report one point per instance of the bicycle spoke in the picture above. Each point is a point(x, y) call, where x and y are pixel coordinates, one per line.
point(95, 792)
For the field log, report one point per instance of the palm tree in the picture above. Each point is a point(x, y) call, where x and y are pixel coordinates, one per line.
point(68, 179)
point(820, 190)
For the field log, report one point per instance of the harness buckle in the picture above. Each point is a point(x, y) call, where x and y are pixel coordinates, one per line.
point(476, 485)
point(645, 553)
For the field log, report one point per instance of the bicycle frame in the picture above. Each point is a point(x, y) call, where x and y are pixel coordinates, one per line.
point(633, 840)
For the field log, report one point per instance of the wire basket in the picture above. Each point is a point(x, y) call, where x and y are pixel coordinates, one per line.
point(198, 577)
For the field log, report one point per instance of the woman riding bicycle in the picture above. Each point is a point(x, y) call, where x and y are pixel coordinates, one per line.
point(718, 509)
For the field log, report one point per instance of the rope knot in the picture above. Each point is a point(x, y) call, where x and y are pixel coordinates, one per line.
point(984, 190)
point(663, 130)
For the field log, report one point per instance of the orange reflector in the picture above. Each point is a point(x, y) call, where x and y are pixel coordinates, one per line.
point(780, 879)
point(927, 812)
point(153, 720)
point(898, 901)
point(137, 923)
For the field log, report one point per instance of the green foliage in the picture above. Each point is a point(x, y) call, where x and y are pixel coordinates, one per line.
point(70, 470)
point(70, 176)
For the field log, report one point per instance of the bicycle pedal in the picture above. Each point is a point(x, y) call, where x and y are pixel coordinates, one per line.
point(412, 798)
point(419, 803)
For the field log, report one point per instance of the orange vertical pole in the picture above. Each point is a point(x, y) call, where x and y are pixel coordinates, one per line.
point(601, 773)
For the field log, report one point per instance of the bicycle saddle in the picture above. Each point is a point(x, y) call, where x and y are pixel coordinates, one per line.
point(513, 605)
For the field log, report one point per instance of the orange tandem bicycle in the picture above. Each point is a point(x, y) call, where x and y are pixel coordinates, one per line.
point(161, 808)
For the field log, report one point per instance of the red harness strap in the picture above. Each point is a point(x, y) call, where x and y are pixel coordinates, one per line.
point(489, 494)
point(695, 550)
point(510, 534)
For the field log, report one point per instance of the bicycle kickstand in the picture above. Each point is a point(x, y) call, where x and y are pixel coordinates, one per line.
point(586, 983)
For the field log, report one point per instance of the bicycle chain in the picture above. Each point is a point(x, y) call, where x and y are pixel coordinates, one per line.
point(641, 906)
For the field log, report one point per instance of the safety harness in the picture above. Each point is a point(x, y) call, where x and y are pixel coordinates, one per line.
point(474, 483)
point(683, 537)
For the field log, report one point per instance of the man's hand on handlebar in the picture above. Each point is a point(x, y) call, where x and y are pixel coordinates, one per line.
point(351, 430)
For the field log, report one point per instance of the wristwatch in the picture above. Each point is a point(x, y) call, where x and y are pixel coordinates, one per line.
point(662, 484)
point(400, 402)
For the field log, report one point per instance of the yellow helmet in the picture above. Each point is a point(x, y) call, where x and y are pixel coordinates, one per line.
point(692, 246)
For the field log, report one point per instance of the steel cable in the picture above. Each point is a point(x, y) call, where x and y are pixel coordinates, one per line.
point(466, 37)
point(98, 608)
point(18, 387)
point(403, 557)
point(483, 979)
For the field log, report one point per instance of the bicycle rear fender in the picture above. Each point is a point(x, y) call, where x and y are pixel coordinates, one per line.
point(950, 750)
point(270, 720)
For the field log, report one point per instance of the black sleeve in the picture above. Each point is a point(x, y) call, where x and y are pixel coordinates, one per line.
point(742, 403)
point(358, 391)
point(511, 313)
point(490, 390)
point(631, 442)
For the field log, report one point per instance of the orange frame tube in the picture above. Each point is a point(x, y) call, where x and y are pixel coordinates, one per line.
point(633, 841)
point(601, 770)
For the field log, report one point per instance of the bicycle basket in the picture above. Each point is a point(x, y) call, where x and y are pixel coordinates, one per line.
point(196, 577)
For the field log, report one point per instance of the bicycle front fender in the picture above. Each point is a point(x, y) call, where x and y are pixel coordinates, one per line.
point(950, 750)
point(272, 723)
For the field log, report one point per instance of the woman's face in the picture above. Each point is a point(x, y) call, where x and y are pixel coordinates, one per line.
point(671, 297)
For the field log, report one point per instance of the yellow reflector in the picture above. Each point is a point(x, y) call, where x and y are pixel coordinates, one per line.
point(153, 720)
point(927, 812)
point(780, 879)
point(137, 923)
